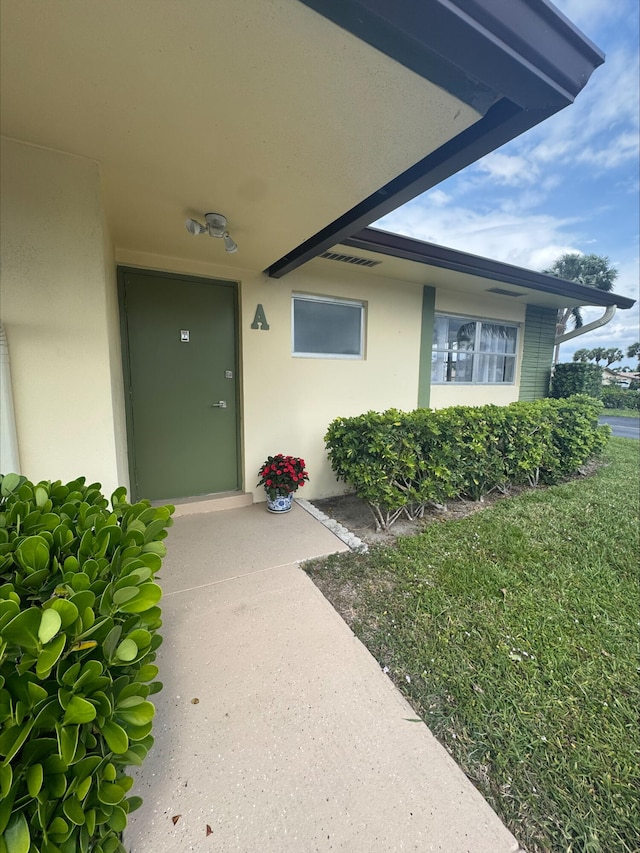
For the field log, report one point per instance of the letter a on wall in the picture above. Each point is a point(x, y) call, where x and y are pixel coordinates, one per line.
point(260, 320)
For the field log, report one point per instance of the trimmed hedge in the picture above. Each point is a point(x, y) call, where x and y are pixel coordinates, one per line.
point(620, 398)
point(576, 377)
point(79, 618)
point(399, 462)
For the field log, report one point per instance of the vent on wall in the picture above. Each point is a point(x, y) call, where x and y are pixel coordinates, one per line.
point(503, 292)
point(350, 259)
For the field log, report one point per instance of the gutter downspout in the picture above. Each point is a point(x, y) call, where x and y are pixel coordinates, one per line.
point(596, 324)
point(9, 456)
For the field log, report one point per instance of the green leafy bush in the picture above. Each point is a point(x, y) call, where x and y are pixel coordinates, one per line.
point(381, 454)
point(620, 398)
point(399, 462)
point(576, 436)
point(574, 377)
point(78, 636)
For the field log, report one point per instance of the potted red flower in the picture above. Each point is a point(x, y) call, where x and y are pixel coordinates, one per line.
point(281, 476)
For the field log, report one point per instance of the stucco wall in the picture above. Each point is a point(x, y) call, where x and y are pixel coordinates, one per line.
point(288, 402)
point(485, 307)
point(58, 311)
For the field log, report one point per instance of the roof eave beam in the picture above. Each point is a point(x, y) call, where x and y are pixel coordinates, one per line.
point(503, 122)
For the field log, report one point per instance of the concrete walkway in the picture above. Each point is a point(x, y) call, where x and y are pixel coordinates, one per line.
point(276, 730)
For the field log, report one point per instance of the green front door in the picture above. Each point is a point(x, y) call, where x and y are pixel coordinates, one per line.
point(180, 361)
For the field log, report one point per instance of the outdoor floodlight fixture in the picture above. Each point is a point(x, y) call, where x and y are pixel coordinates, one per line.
point(216, 227)
point(230, 245)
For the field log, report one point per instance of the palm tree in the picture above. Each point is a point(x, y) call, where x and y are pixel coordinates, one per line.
point(581, 355)
point(612, 355)
point(592, 270)
point(598, 354)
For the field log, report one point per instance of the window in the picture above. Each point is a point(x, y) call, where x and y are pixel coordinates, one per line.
point(473, 351)
point(324, 327)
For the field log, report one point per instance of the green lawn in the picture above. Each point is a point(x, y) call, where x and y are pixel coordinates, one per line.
point(622, 413)
point(513, 633)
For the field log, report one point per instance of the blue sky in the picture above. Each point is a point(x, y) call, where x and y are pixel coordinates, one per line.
point(572, 184)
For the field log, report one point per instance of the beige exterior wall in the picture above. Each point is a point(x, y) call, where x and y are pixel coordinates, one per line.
point(485, 307)
point(59, 308)
point(115, 361)
point(288, 402)
point(59, 313)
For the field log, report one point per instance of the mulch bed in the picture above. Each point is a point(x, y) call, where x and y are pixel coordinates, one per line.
point(355, 515)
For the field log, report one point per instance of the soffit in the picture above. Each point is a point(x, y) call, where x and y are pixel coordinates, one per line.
point(268, 113)
point(402, 269)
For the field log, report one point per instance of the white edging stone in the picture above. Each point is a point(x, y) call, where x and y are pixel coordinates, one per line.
point(349, 538)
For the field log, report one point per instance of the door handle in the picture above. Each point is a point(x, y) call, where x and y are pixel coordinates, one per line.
point(221, 404)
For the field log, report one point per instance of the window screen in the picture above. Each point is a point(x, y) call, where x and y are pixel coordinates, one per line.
point(332, 328)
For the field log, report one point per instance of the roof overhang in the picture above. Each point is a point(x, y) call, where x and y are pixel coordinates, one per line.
point(404, 258)
point(516, 61)
point(302, 122)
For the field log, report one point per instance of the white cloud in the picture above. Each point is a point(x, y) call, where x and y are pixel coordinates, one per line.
point(589, 14)
point(627, 283)
point(532, 241)
point(619, 150)
point(598, 134)
point(600, 128)
point(509, 169)
point(439, 197)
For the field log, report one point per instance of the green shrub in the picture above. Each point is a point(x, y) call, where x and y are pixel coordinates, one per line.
point(399, 462)
point(78, 636)
point(468, 439)
point(576, 377)
point(576, 436)
point(524, 442)
point(620, 398)
point(381, 455)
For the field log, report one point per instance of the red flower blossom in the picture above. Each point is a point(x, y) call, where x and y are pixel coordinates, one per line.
point(282, 474)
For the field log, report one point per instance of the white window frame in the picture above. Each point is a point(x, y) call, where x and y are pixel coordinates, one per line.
point(333, 300)
point(476, 351)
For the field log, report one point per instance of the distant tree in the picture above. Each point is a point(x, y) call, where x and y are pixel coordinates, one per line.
point(634, 352)
point(612, 355)
point(598, 354)
point(581, 355)
point(592, 270)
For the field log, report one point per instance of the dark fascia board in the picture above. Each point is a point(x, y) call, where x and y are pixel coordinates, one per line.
point(515, 61)
point(430, 254)
point(524, 49)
